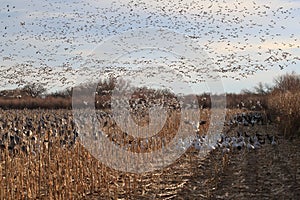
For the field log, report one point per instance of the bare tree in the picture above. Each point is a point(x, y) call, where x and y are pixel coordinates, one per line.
point(34, 89)
point(261, 89)
point(287, 82)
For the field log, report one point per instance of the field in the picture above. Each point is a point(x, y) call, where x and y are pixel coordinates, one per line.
point(42, 158)
point(133, 99)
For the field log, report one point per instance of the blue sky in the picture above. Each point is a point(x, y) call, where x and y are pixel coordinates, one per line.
point(238, 35)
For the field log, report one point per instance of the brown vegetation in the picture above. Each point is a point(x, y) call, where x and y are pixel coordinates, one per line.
point(48, 163)
point(284, 103)
point(279, 101)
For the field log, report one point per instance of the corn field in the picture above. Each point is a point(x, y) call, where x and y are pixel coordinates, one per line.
point(42, 158)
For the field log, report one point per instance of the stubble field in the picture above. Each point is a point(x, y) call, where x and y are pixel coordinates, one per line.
point(42, 158)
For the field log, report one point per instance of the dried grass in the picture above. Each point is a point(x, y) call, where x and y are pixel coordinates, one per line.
point(286, 107)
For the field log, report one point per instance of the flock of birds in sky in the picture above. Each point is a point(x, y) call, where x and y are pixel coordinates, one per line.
point(51, 42)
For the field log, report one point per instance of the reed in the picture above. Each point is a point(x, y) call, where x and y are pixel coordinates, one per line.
point(286, 107)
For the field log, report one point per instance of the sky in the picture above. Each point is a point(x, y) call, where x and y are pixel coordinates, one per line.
point(51, 41)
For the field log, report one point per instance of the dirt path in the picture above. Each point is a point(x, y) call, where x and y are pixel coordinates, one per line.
point(272, 172)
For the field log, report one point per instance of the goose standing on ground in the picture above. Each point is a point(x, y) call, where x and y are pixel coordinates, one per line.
point(249, 145)
point(273, 141)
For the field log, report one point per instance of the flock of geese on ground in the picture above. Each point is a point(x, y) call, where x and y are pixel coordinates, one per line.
point(240, 141)
point(28, 131)
point(247, 119)
point(235, 143)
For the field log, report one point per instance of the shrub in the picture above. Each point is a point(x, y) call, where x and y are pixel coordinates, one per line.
point(284, 103)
